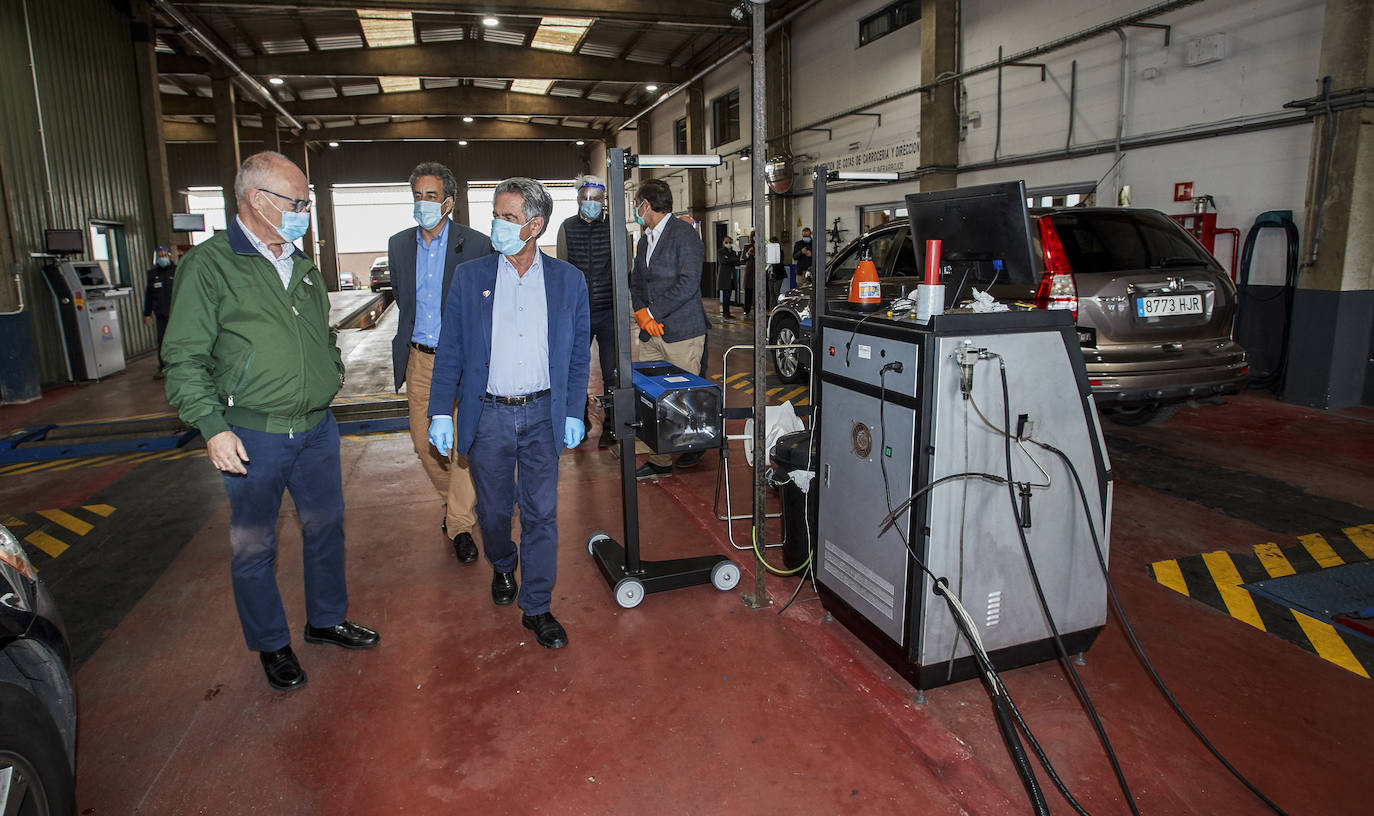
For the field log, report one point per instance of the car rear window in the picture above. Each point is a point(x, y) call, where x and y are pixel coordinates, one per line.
point(1125, 241)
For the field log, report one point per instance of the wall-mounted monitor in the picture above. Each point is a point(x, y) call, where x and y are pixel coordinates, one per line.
point(188, 222)
point(64, 242)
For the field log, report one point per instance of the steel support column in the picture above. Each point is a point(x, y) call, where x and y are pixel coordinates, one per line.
point(939, 106)
point(150, 110)
point(227, 159)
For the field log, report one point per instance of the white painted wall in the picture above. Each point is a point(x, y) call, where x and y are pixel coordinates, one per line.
point(1272, 49)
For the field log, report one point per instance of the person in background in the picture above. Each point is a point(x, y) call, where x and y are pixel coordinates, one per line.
point(157, 298)
point(748, 272)
point(802, 257)
point(253, 363)
point(665, 293)
point(727, 259)
point(514, 354)
point(422, 259)
point(584, 240)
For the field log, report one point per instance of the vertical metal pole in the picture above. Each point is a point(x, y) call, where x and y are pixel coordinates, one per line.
point(622, 396)
point(759, 599)
point(818, 216)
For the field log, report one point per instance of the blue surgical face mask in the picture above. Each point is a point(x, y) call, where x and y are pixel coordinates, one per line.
point(590, 210)
point(293, 224)
point(428, 214)
point(806, 239)
point(505, 237)
point(163, 261)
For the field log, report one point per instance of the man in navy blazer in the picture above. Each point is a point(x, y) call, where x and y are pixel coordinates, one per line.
point(422, 260)
point(665, 291)
point(514, 354)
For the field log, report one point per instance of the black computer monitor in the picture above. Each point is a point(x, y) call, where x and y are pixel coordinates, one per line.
point(984, 234)
point(63, 242)
point(188, 222)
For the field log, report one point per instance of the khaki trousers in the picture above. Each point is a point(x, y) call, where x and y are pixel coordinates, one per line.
point(685, 354)
point(448, 473)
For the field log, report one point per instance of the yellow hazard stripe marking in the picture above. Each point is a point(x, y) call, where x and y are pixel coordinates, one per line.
point(67, 520)
point(1362, 537)
point(1227, 577)
point(46, 543)
point(1168, 574)
point(1328, 643)
point(796, 392)
point(11, 521)
point(103, 510)
point(1273, 560)
point(734, 377)
point(1320, 550)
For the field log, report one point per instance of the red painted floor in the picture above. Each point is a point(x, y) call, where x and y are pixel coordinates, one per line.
point(693, 703)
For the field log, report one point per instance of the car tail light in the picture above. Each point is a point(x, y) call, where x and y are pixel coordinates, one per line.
point(1057, 288)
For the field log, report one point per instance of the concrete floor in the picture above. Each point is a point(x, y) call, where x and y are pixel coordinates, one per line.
point(692, 702)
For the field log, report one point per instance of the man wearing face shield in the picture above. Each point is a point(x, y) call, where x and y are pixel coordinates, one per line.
point(157, 298)
point(584, 240)
point(253, 363)
point(422, 260)
point(514, 354)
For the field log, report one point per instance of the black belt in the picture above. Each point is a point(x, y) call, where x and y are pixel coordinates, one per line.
point(523, 399)
point(423, 347)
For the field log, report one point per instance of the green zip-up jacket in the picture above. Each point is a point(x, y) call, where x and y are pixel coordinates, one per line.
point(240, 349)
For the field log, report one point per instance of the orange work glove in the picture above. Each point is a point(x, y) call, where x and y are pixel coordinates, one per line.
point(655, 328)
point(644, 319)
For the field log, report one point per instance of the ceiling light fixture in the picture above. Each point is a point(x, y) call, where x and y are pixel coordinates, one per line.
point(467, 119)
point(650, 87)
point(490, 22)
point(277, 81)
point(333, 144)
point(462, 142)
point(580, 142)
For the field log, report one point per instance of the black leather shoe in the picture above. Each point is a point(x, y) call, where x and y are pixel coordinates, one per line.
point(503, 588)
point(689, 459)
point(547, 630)
point(649, 470)
point(284, 672)
point(465, 548)
point(347, 634)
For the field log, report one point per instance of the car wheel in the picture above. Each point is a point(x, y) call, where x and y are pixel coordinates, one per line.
point(1141, 414)
point(35, 778)
point(787, 362)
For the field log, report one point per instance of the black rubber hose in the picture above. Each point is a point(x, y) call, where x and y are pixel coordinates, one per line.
point(1270, 380)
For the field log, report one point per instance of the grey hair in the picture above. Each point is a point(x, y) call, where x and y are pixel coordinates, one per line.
point(538, 202)
point(440, 172)
point(254, 171)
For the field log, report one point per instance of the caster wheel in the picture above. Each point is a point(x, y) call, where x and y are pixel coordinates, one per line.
point(595, 537)
point(725, 576)
point(629, 592)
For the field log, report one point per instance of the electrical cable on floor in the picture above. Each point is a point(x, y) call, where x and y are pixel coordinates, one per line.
point(1139, 649)
point(1004, 722)
point(1045, 606)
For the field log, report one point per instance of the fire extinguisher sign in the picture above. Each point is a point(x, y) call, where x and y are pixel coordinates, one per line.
point(1183, 191)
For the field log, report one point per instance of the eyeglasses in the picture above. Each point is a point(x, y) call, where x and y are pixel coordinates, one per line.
point(298, 205)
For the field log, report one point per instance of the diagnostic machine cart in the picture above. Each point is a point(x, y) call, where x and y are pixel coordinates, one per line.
point(922, 421)
point(87, 307)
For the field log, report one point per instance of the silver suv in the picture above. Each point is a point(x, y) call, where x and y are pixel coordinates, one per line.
point(1154, 310)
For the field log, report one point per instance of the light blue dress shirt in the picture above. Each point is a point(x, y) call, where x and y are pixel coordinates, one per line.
point(519, 331)
point(429, 286)
point(283, 265)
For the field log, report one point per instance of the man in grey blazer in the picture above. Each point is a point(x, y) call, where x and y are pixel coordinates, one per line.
point(422, 260)
point(665, 290)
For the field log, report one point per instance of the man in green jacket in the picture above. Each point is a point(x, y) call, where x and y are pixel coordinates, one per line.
point(252, 361)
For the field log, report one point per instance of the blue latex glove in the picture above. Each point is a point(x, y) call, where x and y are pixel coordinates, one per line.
point(441, 433)
point(573, 432)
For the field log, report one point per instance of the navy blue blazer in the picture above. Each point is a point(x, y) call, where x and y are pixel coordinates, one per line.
point(670, 284)
point(464, 244)
point(460, 367)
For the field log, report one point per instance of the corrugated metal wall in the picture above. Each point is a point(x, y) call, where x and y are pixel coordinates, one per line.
point(87, 85)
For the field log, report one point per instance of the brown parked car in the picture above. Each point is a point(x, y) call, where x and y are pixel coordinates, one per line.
point(1154, 310)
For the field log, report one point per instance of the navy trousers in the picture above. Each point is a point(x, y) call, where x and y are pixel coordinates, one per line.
point(603, 332)
point(307, 464)
point(513, 460)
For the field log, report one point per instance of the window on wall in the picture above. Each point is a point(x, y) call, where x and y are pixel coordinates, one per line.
point(680, 136)
point(888, 20)
point(109, 249)
point(725, 118)
point(1081, 194)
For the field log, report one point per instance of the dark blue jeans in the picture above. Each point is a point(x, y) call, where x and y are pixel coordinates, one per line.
point(513, 460)
point(603, 332)
point(307, 464)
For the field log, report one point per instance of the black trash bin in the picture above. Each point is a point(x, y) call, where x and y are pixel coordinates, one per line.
point(799, 509)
